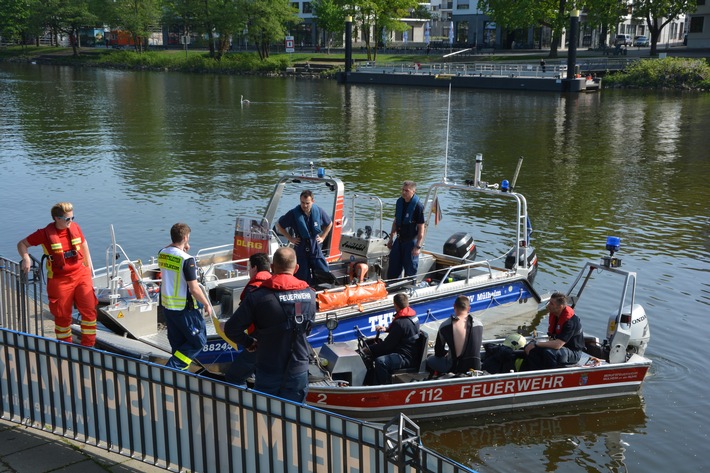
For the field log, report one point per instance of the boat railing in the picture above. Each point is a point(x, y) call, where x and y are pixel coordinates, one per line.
point(495, 69)
point(380, 207)
point(481, 187)
point(468, 267)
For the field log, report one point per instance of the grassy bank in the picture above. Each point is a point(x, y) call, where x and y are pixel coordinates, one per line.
point(667, 73)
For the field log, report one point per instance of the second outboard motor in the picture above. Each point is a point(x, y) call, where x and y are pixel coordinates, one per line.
point(460, 245)
point(523, 252)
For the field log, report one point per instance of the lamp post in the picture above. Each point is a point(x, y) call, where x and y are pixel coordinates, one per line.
point(348, 44)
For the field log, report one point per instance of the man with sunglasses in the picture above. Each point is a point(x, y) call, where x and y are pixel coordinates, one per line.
point(69, 272)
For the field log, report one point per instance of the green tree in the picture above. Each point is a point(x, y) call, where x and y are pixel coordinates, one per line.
point(72, 15)
point(330, 16)
point(14, 19)
point(183, 16)
point(137, 17)
point(376, 16)
point(658, 13)
point(515, 14)
point(266, 22)
point(604, 15)
point(228, 18)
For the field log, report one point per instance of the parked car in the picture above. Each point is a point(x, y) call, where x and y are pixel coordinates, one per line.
point(623, 40)
point(641, 41)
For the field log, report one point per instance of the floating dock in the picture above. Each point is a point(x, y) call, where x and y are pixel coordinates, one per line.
point(527, 77)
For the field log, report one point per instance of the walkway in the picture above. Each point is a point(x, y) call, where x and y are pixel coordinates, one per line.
point(28, 450)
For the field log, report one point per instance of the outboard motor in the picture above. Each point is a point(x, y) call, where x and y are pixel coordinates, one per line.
point(523, 253)
point(640, 332)
point(460, 245)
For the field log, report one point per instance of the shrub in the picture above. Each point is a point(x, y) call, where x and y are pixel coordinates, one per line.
point(666, 73)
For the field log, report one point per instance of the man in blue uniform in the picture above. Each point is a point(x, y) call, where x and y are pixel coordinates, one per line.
point(311, 225)
point(408, 226)
point(282, 311)
point(178, 291)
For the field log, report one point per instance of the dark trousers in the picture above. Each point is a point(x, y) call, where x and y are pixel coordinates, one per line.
point(289, 386)
point(187, 336)
point(241, 368)
point(386, 364)
point(546, 358)
point(401, 258)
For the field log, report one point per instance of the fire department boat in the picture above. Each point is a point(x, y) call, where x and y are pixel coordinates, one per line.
point(499, 284)
point(616, 367)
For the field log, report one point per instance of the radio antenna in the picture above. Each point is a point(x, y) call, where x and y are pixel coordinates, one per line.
point(446, 152)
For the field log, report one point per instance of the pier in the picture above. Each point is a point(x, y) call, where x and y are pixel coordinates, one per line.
point(172, 420)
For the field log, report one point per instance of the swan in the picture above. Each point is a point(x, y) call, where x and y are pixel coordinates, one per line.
point(244, 101)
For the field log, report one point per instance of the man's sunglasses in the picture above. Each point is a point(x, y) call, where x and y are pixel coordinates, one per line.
point(67, 219)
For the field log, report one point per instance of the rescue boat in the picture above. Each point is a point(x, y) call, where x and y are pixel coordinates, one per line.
point(615, 367)
point(355, 293)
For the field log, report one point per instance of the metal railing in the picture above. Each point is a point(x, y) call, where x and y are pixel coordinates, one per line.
point(180, 421)
point(485, 69)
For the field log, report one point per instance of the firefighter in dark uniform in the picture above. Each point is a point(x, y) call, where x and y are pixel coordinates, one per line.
point(282, 311)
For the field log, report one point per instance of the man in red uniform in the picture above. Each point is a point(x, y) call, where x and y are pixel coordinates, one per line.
point(68, 273)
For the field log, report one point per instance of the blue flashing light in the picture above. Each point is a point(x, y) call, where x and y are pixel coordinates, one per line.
point(321, 173)
point(505, 185)
point(613, 244)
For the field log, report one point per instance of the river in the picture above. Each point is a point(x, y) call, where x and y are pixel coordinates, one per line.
point(142, 150)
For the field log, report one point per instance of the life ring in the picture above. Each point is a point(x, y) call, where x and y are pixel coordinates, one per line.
point(136, 281)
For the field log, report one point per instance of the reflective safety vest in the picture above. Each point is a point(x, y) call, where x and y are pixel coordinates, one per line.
point(57, 254)
point(173, 288)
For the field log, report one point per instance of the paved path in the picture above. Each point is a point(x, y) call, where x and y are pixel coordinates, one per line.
point(27, 450)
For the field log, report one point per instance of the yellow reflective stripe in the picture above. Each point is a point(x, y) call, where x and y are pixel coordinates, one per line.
point(174, 302)
point(56, 246)
point(182, 358)
point(88, 327)
point(62, 333)
point(76, 241)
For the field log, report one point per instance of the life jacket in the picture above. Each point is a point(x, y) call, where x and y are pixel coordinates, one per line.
point(406, 312)
point(405, 218)
point(57, 255)
point(255, 283)
point(297, 300)
point(411, 315)
point(556, 323)
point(174, 293)
point(306, 230)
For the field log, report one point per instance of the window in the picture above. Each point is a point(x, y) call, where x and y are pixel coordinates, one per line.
point(701, 2)
point(307, 8)
point(462, 6)
point(696, 24)
point(295, 5)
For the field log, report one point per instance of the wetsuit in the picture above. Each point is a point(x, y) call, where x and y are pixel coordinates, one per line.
point(446, 361)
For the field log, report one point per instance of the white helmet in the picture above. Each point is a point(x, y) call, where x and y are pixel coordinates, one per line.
point(515, 341)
